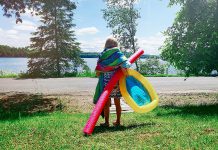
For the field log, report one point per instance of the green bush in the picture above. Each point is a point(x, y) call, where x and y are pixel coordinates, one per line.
point(7, 74)
point(151, 66)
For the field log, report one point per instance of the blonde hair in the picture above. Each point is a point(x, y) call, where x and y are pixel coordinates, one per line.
point(111, 42)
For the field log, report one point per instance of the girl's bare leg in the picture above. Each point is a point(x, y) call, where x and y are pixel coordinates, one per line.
point(107, 112)
point(118, 111)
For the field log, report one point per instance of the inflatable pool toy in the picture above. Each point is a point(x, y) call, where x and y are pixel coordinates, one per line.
point(90, 125)
point(138, 92)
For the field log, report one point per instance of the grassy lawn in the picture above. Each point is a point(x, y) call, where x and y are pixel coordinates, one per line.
point(167, 127)
point(80, 74)
point(8, 75)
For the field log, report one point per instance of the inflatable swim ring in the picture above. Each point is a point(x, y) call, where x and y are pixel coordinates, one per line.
point(138, 92)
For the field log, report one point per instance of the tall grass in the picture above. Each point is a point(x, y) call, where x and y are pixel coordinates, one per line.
point(8, 74)
point(86, 74)
point(23, 75)
point(163, 75)
point(79, 74)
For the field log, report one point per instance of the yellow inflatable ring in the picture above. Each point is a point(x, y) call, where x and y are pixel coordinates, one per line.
point(147, 86)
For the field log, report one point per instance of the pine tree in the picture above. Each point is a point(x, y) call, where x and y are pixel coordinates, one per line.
point(55, 50)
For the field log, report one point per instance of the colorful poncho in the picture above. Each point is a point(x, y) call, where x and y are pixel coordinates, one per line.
point(109, 60)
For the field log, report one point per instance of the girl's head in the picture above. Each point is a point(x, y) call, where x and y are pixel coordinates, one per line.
point(110, 43)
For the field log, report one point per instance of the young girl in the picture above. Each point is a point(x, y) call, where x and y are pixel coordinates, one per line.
point(110, 60)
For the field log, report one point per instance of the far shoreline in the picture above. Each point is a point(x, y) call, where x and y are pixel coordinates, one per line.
point(13, 57)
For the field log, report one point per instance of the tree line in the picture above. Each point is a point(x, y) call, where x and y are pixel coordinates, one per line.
point(7, 51)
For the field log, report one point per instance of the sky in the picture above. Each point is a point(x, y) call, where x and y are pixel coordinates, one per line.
point(91, 29)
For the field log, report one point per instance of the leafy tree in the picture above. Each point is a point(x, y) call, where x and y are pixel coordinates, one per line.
point(192, 40)
point(121, 16)
point(18, 7)
point(54, 46)
point(151, 66)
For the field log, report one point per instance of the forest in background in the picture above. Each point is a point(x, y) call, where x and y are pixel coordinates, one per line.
point(7, 51)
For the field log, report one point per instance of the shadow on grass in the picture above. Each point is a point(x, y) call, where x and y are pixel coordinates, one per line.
point(200, 110)
point(100, 129)
point(17, 105)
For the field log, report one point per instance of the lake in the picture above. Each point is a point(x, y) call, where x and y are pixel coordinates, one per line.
point(17, 65)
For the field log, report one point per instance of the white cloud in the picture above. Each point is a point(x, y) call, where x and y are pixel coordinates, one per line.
point(19, 34)
point(151, 44)
point(14, 38)
point(25, 26)
point(95, 45)
point(88, 30)
point(11, 32)
point(18, 38)
point(31, 14)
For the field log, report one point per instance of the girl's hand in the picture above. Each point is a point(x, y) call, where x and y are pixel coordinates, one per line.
point(97, 73)
point(125, 72)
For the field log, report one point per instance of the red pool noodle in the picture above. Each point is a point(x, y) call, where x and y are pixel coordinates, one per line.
point(90, 125)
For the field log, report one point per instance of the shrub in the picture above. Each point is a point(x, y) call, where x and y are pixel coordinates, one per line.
point(151, 66)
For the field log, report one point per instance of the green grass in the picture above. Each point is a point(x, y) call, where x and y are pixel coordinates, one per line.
point(23, 75)
point(81, 74)
point(8, 75)
point(86, 74)
point(187, 127)
point(164, 75)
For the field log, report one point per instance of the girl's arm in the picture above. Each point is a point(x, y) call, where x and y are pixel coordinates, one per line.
point(124, 67)
point(124, 70)
point(97, 73)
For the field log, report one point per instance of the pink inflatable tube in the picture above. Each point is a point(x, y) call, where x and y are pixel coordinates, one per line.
point(90, 125)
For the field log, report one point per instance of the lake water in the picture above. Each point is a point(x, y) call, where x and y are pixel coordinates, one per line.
point(17, 65)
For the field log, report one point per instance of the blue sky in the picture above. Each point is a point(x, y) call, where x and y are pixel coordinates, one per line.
point(91, 28)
